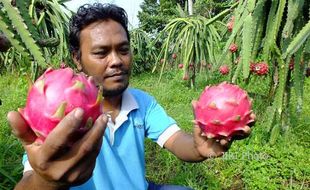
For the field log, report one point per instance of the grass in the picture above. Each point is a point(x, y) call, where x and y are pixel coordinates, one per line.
point(252, 163)
point(14, 89)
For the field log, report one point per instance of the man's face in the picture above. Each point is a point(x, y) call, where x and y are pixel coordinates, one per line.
point(105, 55)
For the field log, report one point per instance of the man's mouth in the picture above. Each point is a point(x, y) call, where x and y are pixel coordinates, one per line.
point(116, 75)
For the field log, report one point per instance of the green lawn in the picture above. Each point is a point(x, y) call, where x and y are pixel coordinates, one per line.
point(250, 164)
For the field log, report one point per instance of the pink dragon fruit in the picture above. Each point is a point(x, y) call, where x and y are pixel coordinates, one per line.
point(56, 93)
point(223, 110)
point(230, 24)
point(174, 56)
point(180, 66)
point(252, 67)
point(233, 48)
point(224, 69)
point(261, 68)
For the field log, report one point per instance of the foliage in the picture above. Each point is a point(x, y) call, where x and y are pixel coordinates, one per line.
point(278, 40)
point(37, 31)
point(210, 8)
point(154, 15)
point(143, 54)
point(281, 40)
point(15, 88)
point(196, 41)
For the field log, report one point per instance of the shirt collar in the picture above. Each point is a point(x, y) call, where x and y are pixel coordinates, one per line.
point(129, 102)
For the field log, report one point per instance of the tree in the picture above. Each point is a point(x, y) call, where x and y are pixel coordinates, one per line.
point(155, 15)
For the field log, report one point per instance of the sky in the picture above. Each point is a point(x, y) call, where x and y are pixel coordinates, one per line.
point(131, 7)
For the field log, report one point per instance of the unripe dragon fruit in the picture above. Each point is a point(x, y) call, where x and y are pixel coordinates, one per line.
point(230, 24)
point(224, 69)
point(233, 48)
point(223, 110)
point(56, 93)
point(261, 68)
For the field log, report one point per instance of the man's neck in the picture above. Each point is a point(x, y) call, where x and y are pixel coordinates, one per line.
point(112, 106)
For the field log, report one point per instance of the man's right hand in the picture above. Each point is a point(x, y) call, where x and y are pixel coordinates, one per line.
point(55, 164)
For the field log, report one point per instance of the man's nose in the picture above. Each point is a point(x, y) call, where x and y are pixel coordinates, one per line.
point(115, 59)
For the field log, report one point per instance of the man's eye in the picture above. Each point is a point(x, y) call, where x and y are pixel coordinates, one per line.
point(124, 49)
point(100, 52)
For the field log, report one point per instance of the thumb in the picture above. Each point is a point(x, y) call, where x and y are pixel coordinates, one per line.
point(20, 128)
point(194, 105)
point(199, 138)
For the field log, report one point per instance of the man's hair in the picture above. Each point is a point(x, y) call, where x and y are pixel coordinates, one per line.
point(88, 14)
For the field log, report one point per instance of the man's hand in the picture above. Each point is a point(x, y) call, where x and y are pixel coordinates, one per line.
point(210, 147)
point(56, 163)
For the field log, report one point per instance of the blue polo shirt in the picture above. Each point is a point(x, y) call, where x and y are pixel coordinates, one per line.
point(121, 163)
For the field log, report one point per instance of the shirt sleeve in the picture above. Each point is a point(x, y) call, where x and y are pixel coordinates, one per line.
point(27, 166)
point(167, 134)
point(159, 125)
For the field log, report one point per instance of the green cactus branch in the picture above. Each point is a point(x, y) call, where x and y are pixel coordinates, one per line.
point(21, 28)
point(22, 6)
point(297, 42)
point(11, 36)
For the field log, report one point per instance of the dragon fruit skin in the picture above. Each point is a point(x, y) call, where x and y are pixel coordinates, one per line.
point(55, 94)
point(223, 110)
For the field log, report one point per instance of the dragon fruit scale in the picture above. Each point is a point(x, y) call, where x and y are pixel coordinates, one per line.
point(56, 93)
point(223, 110)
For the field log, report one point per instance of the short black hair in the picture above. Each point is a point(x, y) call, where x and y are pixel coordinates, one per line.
point(90, 13)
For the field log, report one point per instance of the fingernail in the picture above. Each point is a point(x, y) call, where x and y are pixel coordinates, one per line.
point(78, 113)
point(104, 117)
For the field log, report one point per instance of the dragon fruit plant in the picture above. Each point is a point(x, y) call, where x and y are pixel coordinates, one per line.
point(224, 69)
point(223, 111)
point(55, 94)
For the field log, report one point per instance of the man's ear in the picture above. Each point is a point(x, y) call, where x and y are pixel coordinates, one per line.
point(77, 60)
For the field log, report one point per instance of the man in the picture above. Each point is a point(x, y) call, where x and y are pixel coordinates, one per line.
point(111, 154)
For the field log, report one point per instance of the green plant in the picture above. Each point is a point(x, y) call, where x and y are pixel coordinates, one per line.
point(195, 39)
point(276, 40)
point(143, 54)
point(37, 31)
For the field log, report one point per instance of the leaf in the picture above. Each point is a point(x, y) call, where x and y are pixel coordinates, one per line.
point(247, 44)
point(298, 41)
point(24, 34)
